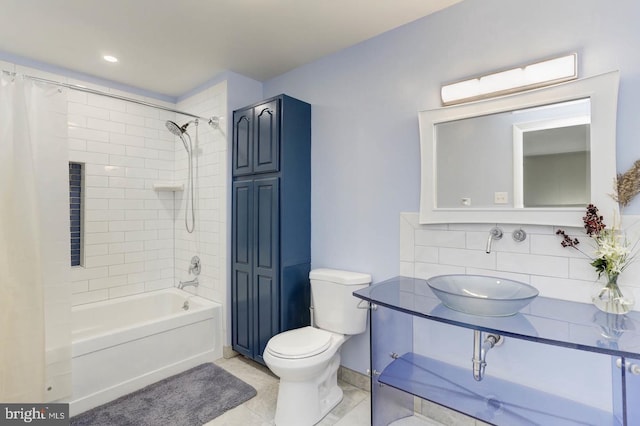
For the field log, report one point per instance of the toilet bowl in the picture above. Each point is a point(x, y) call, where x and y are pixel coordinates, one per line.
point(307, 359)
point(305, 378)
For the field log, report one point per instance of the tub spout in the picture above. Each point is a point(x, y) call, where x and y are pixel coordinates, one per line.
point(194, 282)
point(480, 350)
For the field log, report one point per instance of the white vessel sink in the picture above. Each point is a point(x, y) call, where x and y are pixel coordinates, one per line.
point(482, 295)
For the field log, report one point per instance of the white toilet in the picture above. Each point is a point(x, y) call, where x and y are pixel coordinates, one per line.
point(307, 359)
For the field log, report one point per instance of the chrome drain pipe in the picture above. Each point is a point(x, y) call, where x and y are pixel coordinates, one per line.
point(480, 349)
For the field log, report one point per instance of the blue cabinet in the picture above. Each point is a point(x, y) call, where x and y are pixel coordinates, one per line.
point(271, 222)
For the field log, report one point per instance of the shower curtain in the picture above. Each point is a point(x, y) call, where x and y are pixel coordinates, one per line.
point(35, 299)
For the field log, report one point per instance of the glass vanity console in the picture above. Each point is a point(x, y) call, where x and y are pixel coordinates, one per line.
point(403, 366)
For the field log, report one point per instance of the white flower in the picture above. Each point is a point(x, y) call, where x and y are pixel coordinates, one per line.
point(613, 249)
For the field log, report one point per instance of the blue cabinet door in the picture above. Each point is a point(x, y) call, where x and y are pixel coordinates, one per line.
point(242, 267)
point(266, 271)
point(255, 283)
point(266, 141)
point(242, 149)
point(256, 139)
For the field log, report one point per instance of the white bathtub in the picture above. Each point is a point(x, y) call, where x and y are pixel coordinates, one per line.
point(124, 344)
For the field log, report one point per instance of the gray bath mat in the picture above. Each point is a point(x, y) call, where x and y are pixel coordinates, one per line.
point(191, 398)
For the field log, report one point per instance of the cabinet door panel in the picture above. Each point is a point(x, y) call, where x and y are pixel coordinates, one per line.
point(266, 138)
point(266, 307)
point(242, 337)
point(242, 223)
point(267, 232)
point(242, 146)
point(241, 296)
point(266, 254)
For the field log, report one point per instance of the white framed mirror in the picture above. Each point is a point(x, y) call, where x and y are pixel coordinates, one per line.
point(537, 157)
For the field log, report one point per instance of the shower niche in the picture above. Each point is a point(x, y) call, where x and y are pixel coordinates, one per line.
point(271, 222)
point(561, 363)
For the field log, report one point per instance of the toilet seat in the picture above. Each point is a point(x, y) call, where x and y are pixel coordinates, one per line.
point(302, 342)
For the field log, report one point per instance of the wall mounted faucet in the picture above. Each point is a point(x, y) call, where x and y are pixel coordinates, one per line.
point(494, 234)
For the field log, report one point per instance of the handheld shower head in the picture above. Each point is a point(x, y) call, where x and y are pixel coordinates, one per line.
point(174, 128)
point(178, 131)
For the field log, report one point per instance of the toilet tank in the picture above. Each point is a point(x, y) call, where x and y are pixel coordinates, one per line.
point(335, 308)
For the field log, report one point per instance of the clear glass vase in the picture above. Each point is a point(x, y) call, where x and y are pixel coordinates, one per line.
point(611, 298)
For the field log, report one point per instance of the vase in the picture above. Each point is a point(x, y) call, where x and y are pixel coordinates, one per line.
point(611, 298)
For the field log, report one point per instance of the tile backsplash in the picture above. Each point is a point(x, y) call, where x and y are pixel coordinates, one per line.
point(539, 260)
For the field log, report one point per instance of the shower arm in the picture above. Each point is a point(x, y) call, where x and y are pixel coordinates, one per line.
point(213, 121)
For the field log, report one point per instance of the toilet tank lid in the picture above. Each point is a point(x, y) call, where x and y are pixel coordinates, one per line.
point(340, 277)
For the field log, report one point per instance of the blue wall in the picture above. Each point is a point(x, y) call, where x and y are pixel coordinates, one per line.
point(365, 143)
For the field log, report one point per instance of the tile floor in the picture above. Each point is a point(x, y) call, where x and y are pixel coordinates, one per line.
point(353, 410)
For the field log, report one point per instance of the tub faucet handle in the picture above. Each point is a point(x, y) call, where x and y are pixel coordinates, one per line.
point(195, 266)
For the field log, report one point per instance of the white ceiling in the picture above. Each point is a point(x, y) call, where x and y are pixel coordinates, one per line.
point(172, 46)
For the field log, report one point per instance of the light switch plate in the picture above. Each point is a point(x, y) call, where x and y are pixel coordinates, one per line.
point(501, 197)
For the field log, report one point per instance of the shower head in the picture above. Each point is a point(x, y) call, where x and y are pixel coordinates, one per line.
point(178, 131)
point(174, 128)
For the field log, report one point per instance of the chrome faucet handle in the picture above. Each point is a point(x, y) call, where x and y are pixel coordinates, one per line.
point(195, 266)
point(494, 234)
point(519, 235)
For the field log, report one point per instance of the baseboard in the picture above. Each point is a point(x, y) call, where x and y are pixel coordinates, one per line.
point(354, 378)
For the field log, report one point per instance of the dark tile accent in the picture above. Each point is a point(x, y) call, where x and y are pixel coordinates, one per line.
point(75, 212)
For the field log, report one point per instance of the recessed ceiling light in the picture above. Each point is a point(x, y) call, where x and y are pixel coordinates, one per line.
point(110, 58)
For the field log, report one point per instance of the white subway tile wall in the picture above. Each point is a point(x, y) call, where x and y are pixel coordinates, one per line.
point(539, 260)
point(119, 181)
point(132, 232)
point(209, 238)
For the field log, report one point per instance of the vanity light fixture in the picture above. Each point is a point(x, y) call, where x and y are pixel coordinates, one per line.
point(538, 74)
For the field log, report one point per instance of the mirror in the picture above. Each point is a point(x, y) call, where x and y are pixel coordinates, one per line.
point(536, 157)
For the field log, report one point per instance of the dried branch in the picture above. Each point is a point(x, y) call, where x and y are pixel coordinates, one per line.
point(627, 185)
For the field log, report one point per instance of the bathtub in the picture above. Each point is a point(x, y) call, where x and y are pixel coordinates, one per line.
point(121, 345)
